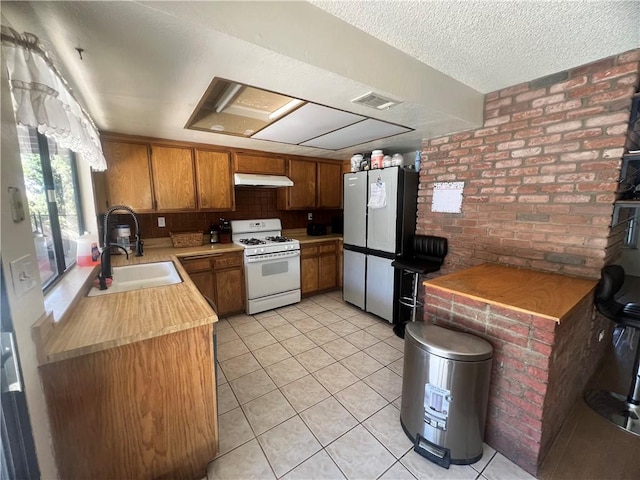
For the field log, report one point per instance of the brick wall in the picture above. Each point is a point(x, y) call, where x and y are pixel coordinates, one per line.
point(540, 176)
point(539, 368)
point(251, 203)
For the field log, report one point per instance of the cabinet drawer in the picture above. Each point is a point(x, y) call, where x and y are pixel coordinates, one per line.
point(309, 251)
point(329, 247)
point(227, 261)
point(196, 264)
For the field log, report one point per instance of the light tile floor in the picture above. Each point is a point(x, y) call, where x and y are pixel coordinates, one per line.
point(313, 391)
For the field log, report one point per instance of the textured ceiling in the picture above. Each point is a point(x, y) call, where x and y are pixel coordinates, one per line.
point(490, 45)
point(146, 65)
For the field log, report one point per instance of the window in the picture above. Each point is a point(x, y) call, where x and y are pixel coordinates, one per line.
point(51, 183)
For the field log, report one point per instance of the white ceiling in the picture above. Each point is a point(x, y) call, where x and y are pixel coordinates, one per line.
point(146, 65)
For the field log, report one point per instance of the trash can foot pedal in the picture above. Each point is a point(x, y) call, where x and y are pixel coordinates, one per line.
point(430, 451)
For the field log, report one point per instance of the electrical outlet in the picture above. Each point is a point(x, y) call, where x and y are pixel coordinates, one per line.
point(309, 216)
point(23, 274)
point(161, 222)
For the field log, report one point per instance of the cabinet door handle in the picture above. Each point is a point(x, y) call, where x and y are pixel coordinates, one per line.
point(208, 255)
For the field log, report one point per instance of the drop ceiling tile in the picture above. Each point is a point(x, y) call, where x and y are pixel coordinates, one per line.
point(361, 132)
point(309, 121)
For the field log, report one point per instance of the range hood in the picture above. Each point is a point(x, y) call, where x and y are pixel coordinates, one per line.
point(252, 180)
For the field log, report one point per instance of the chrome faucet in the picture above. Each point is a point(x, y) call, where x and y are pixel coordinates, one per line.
point(105, 256)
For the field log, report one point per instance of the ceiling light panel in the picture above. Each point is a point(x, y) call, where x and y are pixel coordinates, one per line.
point(361, 132)
point(307, 122)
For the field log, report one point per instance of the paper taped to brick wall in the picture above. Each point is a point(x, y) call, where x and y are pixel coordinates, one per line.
point(447, 197)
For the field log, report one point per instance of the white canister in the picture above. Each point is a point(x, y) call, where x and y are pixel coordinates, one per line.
point(386, 161)
point(122, 234)
point(397, 160)
point(356, 160)
point(376, 159)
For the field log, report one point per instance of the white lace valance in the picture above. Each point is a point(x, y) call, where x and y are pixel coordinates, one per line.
point(43, 100)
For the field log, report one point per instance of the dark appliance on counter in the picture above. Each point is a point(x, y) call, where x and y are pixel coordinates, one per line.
point(337, 224)
point(224, 231)
point(316, 229)
point(213, 234)
point(379, 224)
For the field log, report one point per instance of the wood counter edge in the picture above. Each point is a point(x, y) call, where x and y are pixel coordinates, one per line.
point(491, 302)
point(46, 359)
point(504, 305)
point(46, 327)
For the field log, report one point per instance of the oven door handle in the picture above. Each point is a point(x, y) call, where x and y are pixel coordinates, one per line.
point(272, 256)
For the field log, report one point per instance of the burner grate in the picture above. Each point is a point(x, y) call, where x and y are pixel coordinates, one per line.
point(279, 239)
point(252, 241)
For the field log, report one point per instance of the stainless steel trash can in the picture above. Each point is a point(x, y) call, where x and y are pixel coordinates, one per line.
point(445, 389)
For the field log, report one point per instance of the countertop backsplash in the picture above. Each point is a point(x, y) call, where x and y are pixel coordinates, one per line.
point(251, 203)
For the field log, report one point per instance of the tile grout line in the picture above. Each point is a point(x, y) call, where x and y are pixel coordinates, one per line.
point(308, 373)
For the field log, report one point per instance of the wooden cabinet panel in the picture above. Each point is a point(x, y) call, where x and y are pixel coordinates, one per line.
point(226, 261)
point(142, 410)
point(219, 277)
point(303, 193)
point(229, 291)
point(100, 191)
point(214, 178)
point(204, 282)
point(128, 177)
point(329, 185)
point(318, 267)
point(197, 264)
point(250, 163)
point(309, 275)
point(327, 272)
point(340, 261)
point(173, 178)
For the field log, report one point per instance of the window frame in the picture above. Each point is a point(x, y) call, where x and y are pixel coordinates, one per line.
point(52, 206)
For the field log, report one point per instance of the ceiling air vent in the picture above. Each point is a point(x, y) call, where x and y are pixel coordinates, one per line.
point(375, 100)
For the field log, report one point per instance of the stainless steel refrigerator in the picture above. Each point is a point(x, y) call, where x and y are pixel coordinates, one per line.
point(373, 237)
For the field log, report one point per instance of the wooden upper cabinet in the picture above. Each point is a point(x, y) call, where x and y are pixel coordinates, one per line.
point(303, 193)
point(173, 178)
point(128, 176)
point(259, 164)
point(214, 178)
point(329, 185)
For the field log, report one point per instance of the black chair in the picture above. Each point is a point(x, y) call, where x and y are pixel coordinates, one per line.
point(622, 410)
point(427, 256)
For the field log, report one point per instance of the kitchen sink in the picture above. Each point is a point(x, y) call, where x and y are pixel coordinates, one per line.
point(137, 277)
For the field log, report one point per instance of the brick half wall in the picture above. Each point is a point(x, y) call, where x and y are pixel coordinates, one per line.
point(539, 370)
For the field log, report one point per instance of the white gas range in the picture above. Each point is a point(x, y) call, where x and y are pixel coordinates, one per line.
point(271, 264)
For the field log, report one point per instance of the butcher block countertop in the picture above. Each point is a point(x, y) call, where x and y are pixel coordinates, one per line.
point(107, 321)
point(543, 294)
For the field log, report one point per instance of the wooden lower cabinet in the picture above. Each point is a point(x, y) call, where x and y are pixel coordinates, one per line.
point(318, 267)
point(340, 264)
point(219, 277)
point(138, 411)
point(229, 290)
point(308, 271)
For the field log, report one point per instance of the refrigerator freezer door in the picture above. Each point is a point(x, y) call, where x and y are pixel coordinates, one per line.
point(382, 231)
point(354, 276)
point(355, 209)
point(380, 284)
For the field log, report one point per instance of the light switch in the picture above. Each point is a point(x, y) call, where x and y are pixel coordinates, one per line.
point(161, 222)
point(23, 274)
